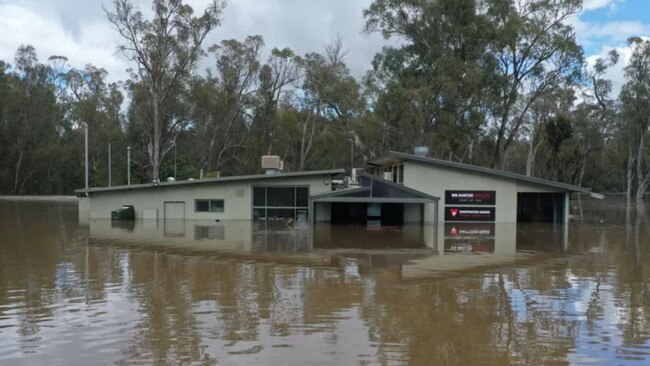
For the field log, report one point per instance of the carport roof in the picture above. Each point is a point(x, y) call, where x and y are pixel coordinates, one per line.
point(390, 192)
point(238, 178)
point(397, 156)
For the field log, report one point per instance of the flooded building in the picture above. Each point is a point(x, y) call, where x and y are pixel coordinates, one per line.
point(472, 193)
point(282, 195)
point(392, 191)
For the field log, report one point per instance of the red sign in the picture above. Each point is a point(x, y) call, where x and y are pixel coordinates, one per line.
point(469, 229)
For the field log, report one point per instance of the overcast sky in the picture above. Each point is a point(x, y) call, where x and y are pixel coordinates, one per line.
point(78, 29)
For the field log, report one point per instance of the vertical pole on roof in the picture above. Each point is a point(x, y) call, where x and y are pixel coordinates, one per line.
point(128, 165)
point(174, 160)
point(86, 157)
point(110, 168)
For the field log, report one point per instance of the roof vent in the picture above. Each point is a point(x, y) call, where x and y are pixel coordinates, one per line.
point(272, 164)
point(421, 151)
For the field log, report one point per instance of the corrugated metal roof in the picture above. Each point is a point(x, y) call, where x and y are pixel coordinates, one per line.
point(212, 180)
point(481, 170)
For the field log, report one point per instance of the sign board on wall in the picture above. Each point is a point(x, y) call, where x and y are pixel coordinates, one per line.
point(469, 214)
point(454, 230)
point(470, 197)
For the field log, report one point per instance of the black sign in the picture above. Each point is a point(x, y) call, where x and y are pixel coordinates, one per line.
point(470, 197)
point(469, 214)
point(456, 230)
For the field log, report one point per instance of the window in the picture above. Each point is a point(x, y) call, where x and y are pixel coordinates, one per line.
point(280, 203)
point(215, 206)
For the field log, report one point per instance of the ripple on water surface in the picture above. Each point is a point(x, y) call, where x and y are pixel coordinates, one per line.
point(150, 293)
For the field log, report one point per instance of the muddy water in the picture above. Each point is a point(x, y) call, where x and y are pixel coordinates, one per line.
point(256, 294)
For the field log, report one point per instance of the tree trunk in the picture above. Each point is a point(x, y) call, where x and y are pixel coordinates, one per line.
point(17, 172)
point(642, 178)
point(154, 151)
point(629, 175)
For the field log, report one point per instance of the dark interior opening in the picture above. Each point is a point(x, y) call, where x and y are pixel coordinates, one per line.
point(349, 213)
point(540, 207)
point(353, 213)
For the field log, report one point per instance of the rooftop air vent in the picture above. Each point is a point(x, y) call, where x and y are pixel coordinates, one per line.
point(272, 164)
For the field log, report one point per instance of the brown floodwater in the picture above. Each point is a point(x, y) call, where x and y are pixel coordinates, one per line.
point(242, 293)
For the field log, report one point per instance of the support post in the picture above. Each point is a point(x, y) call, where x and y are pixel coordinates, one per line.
point(86, 157)
point(110, 168)
point(128, 166)
point(567, 208)
point(565, 221)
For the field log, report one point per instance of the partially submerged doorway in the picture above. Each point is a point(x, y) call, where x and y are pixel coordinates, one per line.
point(542, 207)
point(376, 202)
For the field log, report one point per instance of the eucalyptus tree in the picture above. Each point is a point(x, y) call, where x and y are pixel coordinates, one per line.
point(441, 66)
point(332, 98)
point(550, 105)
point(31, 121)
point(635, 109)
point(535, 50)
point(276, 78)
point(221, 101)
point(165, 50)
point(91, 102)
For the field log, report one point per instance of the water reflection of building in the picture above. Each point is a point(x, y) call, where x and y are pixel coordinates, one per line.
point(417, 251)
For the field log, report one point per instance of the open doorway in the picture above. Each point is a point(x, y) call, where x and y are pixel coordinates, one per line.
point(540, 207)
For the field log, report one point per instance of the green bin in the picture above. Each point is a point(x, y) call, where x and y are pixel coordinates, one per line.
point(124, 213)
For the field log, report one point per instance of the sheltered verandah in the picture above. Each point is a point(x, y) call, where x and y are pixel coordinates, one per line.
point(375, 202)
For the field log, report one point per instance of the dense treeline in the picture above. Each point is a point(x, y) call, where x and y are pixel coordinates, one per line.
point(498, 83)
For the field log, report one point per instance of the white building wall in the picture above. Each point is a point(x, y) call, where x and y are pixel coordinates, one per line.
point(412, 212)
point(434, 180)
point(237, 197)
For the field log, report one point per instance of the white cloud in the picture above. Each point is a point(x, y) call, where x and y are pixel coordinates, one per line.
point(78, 29)
point(615, 73)
point(589, 5)
point(22, 25)
point(589, 33)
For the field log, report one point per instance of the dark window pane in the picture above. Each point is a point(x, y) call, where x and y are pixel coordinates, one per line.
point(216, 206)
point(202, 206)
point(302, 197)
point(280, 196)
point(259, 196)
point(280, 213)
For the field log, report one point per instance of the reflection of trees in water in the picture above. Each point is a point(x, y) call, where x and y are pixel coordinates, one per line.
point(195, 309)
point(166, 331)
point(531, 315)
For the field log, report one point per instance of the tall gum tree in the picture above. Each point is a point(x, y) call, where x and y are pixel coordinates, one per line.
point(442, 63)
point(536, 51)
point(165, 50)
point(635, 105)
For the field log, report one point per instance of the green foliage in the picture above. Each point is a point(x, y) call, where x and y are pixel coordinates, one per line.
point(497, 83)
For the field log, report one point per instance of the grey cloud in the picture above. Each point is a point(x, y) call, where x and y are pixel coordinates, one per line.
point(303, 25)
